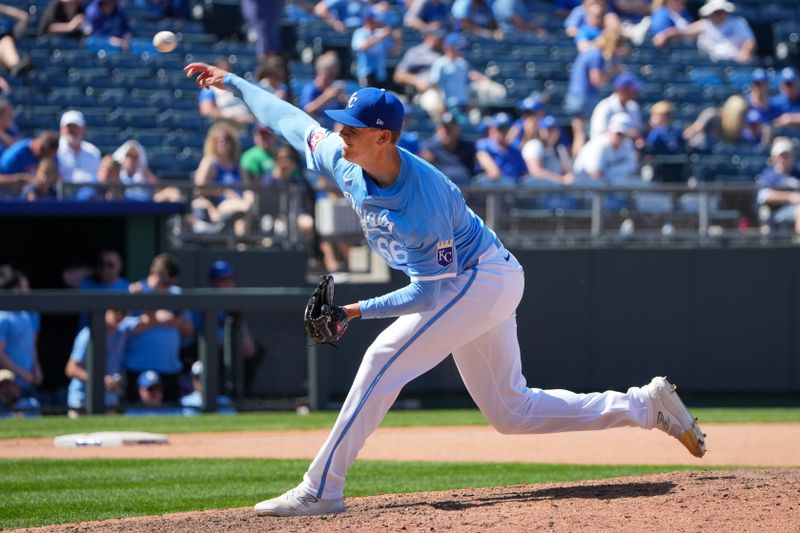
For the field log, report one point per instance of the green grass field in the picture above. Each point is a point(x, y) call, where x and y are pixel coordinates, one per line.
point(59, 425)
point(41, 492)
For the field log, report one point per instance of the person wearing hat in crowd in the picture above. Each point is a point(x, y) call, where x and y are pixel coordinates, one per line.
point(463, 290)
point(758, 98)
point(623, 100)
point(78, 159)
point(193, 402)
point(663, 137)
point(779, 185)
point(500, 163)
point(526, 127)
point(372, 43)
point(546, 157)
point(448, 152)
point(754, 132)
point(150, 388)
point(9, 390)
point(19, 332)
point(20, 161)
point(414, 69)
point(609, 157)
point(668, 20)
point(721, 35)
point(787, 103)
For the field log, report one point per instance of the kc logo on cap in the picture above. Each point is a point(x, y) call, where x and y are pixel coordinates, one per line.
point(371, 107)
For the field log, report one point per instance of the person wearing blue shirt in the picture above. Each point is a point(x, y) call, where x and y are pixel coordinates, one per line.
point(463, 290)
point(587, 77)
point(779, 185)
point(500, 162)
point(667, 20)
point(325, 91)
point(19, 161)
point(526, 127)
point(19, 331)
point(342, 14)
point(759, 98)
point(787, 103)
point(514, 17)
point(663, 137)
point(109, 23)
point(427, 15)
point(372, 43)
point(154, 341)
point(475, 17)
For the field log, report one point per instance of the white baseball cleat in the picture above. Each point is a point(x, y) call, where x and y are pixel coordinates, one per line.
point(296, 502)
point(673, 418)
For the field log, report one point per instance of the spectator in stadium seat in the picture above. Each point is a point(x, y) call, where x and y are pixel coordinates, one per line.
point(448, 152)
point(500, 163)
point(134, 170)
point(13, 24)
point(78, 159)
point(632, 10)
point(526, 127)
point(414, 69)
point(64, 17)
point(476, 17)
point(117, 327)
point(263, 17)
point(787, 103)
point(577, 17)
point(609, 157)
point(759, 96)
point(271, 75)
point(325, 91)
point(341, 14)
point(779, 186)
point(592, 27)
point(715, 125)
point(105, 276)
point(218, 104)
point(9, 132)
point(372, 44)
point(623, 100)
point(9, 391)
point(108, 23)
point(110, 180)
point(663, 137)
point(754, 133)
point(721, 35)
point(428, 15)
point(258, 160)
point(668, 21)
point(19, 162)
point(514, 17)
point(150, 388)
point(546, 157)
point(19, 331)
point(153, 344)
point(220, 167)
point(44, 185)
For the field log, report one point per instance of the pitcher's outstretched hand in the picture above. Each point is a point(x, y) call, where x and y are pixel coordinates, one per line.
point(207, 75)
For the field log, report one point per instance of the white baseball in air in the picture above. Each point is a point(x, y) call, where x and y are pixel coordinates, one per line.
point(165, 41)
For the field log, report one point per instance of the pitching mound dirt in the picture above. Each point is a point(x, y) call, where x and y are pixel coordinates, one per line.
point(733, 501)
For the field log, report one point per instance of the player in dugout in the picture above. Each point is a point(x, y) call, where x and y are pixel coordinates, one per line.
point(463, 292)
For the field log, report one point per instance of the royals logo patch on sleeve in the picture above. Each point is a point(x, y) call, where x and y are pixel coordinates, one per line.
point(314, 136)
point(444, 253)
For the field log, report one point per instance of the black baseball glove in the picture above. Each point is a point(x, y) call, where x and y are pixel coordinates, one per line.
point(325, 322)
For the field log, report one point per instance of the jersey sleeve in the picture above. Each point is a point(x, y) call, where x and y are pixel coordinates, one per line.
point(323, 151)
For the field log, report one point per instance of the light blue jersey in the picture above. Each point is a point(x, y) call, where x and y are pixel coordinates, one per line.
point(420, 225)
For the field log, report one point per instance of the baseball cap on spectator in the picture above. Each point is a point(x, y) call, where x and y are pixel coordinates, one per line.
point(759, 75)
point(447, 119)
point(373, 14)
point(754, 116)
point(628, 79)
point(548, 122)
point(712, 6)
point(781, 145)
point(149, 378)
point(6, 375)
point(221, 269)
point(197, 369)
point(788, 75)
point(455, 40)
point(371, 108)
point(501, 120)
point(73, 116)
point(619, 123)
point(530, 105)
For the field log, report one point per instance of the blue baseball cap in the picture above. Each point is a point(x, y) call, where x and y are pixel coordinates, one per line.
point(501, 120)
point(754, 116)
point(628, 79)
point(548, 122)
point(455, 40)
point(759, 75)
point(788, 75)
point(530, 105)
point(148, 378)
point(221, 269)
point(371, 108)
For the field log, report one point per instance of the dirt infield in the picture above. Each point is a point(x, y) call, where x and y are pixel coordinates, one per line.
point(764, 445)
point(735, 501)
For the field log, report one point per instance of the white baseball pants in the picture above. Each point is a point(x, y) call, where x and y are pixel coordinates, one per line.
point(476, 322)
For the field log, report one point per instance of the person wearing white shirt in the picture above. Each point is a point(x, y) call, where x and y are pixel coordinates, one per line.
point(78, 160)
point(721, 35)
point(609, 157)
point(623, 100)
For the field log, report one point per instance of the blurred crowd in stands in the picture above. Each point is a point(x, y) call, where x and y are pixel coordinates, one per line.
point(151, 356)
point(597, 132)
